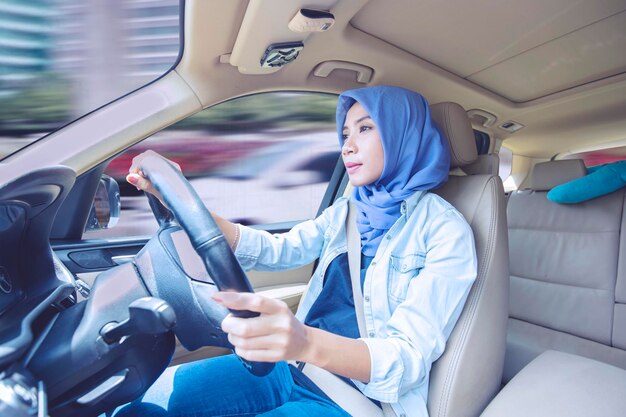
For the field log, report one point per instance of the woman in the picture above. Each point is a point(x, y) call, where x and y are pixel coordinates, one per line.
point(418, 264)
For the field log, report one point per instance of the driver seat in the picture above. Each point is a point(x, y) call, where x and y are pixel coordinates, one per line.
point(467, 376)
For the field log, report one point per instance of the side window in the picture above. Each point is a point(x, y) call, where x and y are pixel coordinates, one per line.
point(60, 59)
point(259, 159)
point(482, 142)
point(506, 159)
point(600, 156)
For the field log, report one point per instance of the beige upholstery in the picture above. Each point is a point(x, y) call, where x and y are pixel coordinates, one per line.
point(568, 280)
point(467, 376)
point(454, 124)
point(485, 164)
point(560, 384)
point(548, 175)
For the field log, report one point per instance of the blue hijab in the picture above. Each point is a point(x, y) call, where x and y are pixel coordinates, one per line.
point(416, 155)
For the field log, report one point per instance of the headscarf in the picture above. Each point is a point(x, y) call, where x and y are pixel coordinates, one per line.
point(416, 153)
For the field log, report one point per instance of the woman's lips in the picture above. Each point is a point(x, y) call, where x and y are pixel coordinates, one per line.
point(352, 167)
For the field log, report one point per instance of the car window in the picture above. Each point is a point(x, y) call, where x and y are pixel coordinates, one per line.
point(600, 156)
point(506, 158)
point(259, 159)
point(482, 142)
point(62, 59)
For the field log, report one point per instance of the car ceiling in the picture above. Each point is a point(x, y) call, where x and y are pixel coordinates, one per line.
point(557, 67)
point(520, 50)
point(498, 56)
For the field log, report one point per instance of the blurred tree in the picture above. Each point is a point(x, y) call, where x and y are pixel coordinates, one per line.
point(265, 112)
point(38, 107)
point(46, 104)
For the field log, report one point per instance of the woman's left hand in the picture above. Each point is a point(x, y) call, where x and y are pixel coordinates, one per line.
point(275, 335)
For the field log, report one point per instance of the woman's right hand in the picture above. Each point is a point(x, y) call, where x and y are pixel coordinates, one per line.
point(137, 178)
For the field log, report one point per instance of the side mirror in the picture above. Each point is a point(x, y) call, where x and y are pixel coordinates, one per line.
point(106, 206)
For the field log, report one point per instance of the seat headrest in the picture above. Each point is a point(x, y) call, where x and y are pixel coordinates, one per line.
point(547, 175)
point(455, 125)
point(488, 164)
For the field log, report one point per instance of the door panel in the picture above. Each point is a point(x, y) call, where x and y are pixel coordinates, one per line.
point(86, 260)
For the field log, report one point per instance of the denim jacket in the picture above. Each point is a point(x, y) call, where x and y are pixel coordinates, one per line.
point(413, 293)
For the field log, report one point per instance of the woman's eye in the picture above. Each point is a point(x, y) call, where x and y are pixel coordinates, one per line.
point(344, 137)
point(364, 128)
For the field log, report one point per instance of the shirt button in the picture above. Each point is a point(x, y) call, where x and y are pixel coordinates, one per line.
point(367, 299)
point(373, 263)
point(371, 334)
point(388, 237)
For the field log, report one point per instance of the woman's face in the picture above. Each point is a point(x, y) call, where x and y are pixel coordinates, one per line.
point(362, 150)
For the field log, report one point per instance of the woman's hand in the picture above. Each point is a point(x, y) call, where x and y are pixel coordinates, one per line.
point(137, 178)
point(275, 335)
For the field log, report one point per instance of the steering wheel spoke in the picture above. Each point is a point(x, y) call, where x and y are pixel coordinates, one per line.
point(191, 299)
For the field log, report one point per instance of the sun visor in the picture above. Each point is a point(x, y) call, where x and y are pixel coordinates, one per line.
point(264, 26)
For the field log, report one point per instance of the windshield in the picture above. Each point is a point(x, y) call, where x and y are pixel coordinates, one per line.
point(61, 59)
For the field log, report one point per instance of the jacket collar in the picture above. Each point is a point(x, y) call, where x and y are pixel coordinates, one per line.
point(409, 205)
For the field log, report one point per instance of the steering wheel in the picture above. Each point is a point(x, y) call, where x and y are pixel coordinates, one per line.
point(208, 241)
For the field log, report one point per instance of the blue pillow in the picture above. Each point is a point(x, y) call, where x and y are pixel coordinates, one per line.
point(600, 180)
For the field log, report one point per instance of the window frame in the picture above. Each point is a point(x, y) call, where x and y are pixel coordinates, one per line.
point(334, 188)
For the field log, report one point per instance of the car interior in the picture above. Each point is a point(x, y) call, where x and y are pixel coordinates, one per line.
point(543, 332)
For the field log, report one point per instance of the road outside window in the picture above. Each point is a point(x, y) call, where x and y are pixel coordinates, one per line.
point(260, 159)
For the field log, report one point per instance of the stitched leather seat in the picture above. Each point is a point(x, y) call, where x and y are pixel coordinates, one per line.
point(468, 374)
point(559, 384)
point(568, 272)
point(485, 164)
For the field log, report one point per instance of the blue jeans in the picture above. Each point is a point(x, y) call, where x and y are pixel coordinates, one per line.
point(221, 386)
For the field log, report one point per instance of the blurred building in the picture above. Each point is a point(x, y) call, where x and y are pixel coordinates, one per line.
point(107, 46)
point(25, 41)
point(111, 47)
point(60, 59)
point(152, 40)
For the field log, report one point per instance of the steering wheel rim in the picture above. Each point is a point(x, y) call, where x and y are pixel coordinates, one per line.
point(204, 234)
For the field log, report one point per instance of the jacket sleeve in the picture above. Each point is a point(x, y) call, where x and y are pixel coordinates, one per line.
point(417, 331)
point(263, 251)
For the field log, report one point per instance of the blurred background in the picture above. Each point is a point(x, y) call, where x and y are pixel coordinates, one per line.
point(60, 59)
point(257, 160)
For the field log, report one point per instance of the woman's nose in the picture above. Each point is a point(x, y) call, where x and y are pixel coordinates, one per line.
point(348, 146)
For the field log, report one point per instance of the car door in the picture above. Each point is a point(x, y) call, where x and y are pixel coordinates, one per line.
point(265, 160)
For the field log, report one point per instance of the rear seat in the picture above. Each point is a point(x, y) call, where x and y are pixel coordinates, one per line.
point(487, 164)
point(568, 273)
